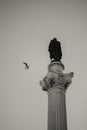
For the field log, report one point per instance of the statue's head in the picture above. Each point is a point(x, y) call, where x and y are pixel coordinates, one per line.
point(55, 39)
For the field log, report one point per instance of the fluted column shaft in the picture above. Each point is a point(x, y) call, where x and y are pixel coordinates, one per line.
point(56, 109)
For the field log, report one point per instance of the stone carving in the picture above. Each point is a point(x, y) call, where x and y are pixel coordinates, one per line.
point(55, 50)
point(56, 78)
point(62, 81)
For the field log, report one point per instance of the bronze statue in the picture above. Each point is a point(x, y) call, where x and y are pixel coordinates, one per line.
point(55, 50)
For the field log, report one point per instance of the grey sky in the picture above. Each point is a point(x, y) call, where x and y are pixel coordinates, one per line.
point(26, 30)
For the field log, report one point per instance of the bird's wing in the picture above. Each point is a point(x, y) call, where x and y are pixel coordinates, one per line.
point(27, 66)
point(25, 63)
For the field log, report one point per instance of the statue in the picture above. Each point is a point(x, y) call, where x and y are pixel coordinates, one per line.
point(55, 50)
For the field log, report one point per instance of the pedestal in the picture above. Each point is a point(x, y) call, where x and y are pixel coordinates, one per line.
point(56, 83)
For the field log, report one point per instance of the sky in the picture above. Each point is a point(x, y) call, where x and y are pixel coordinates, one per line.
point(26, 28)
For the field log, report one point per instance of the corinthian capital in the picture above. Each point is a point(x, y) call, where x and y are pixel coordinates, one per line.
point(61, 81)
point(55, 77)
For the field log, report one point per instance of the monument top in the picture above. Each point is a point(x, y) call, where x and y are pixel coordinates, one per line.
point(55, 50)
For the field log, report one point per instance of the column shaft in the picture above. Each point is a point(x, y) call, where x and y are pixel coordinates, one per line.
point(56, 109)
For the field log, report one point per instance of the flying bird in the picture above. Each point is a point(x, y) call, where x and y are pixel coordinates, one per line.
point(26, 65)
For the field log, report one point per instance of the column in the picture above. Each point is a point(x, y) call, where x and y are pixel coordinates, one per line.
point(56, 84)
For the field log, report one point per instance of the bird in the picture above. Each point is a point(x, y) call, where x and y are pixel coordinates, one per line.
point(26, 65)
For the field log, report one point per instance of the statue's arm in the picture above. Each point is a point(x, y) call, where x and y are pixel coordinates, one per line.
point(60, 50)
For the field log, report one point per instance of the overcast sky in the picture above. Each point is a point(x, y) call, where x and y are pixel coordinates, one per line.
point(26, 30)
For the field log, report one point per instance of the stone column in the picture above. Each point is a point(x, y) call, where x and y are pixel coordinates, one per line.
point(56, 83)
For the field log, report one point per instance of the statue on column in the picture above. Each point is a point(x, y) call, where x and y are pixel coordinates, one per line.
point(55, 50)
point(55, 76)
point(55, 83)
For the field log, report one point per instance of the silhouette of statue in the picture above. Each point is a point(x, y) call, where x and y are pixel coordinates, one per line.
point(55, 50)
